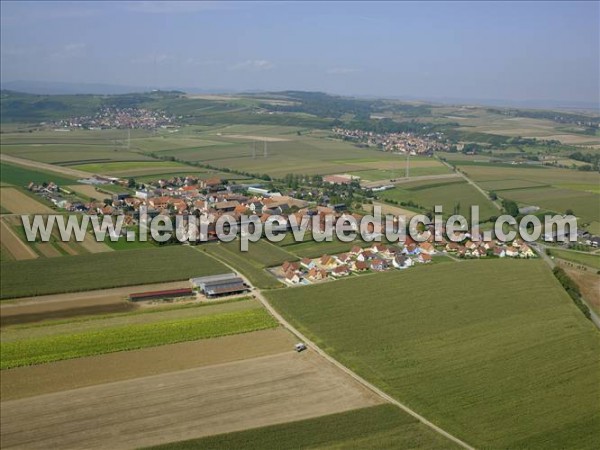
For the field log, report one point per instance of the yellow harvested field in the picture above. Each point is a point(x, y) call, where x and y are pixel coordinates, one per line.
point(183, 405)
point(68, 247)
point(93, 246)
point(47, 250)
point(30, 381)
point(389, 209)
point(88, 191)
point(18, 203)
point(15, 246)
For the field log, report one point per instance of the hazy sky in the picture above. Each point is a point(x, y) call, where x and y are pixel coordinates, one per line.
point(477, 50)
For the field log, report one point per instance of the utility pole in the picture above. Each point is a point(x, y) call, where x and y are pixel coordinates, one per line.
point(128, 138)
point(254, 150)
point(407, 163)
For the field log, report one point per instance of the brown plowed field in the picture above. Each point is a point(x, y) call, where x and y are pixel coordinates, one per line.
point(76, 373)
point(183, 405)
point(18, 203)
point(32, 309)
point(16, 247)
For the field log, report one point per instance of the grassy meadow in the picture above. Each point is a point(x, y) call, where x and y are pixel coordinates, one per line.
point(382, 427)
point(494, 352)
point(104, 270)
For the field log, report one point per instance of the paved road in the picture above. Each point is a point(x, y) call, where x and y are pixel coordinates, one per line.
point(472, 183)
point(258, 294)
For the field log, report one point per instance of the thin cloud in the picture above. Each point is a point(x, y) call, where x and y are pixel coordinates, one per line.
point(159, 58)
point(203, 62)
point(254, 65)
point(68, 51)
point(341, 71)
point(175, 7)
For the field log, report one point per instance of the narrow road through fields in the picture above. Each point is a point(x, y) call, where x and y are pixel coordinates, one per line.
point(258, 294)
point(472, 183)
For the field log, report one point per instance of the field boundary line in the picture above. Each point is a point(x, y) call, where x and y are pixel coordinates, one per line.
point(257, 292)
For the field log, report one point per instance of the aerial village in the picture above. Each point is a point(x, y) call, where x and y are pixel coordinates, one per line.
point(215, 198)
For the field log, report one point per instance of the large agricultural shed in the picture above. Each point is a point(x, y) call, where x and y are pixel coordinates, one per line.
point(215, 285)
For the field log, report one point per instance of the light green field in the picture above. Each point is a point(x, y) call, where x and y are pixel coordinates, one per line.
point(104, 270)
point(380, 427)
point(303, 154)
point(578, 257)
point(58, 347)
point(560, 189)
point(446, 194)
point(584, 205)
point(131, 168)
point(494, 351)
point(21, 176)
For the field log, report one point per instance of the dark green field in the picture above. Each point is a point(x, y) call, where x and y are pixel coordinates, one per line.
point(104, 270)
point(20, 176)
point(380, 427)
point(449, 195)
point(494, 351)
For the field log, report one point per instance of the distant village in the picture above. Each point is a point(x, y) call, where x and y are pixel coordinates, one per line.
point(395, 142)
point(120, 118)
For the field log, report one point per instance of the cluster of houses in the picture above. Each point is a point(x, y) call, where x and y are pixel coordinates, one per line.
point(380, 257)
point(396, 142)
point(376, 258)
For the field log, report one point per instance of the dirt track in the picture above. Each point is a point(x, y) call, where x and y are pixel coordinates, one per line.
point(16, 247)
point(59, 376)
point(183, 405)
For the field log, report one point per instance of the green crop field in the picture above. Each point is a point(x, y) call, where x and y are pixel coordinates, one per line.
point(509, 184)
point(104, 270)
point(72, 154)
point(312, 249)
point(129, 337)
point(130, 168)
point(20, 176)
point(448, 195)
point(584, 205)
point(577, 257)
point(381, 427)
point(494, 351)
